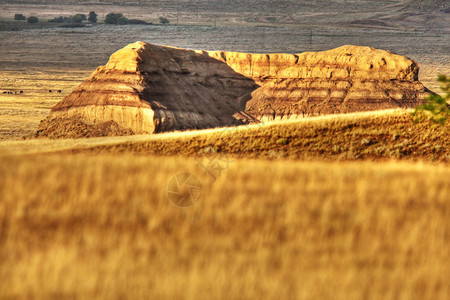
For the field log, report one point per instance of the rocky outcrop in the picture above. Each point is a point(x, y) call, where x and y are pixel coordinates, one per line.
point(148, 88)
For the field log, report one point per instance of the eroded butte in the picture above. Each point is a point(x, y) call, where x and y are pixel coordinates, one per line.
point(147, 88)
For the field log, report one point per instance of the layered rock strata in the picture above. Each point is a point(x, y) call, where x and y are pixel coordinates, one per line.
point(149, 88)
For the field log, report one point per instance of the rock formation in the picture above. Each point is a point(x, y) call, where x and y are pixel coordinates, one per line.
point(148, 88)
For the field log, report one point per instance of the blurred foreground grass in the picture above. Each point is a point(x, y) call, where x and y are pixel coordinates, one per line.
point(83, 226)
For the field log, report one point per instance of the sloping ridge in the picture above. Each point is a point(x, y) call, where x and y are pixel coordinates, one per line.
point(148, 88)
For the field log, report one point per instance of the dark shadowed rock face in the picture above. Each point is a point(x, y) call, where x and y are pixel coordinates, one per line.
point(148, 88)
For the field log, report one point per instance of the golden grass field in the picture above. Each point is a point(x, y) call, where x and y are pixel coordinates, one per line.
point(102, 226)
point(92, 218)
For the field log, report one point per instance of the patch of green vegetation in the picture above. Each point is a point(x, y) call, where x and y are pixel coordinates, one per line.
point(120, 19)
point(32, 20)
point(92, 17)
point(163, 20)
point(116, 19)
point(436, 108)
point(19, 17)
point(282, 141)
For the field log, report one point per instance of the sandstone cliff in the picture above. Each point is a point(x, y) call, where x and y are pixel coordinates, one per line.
point(148, 88)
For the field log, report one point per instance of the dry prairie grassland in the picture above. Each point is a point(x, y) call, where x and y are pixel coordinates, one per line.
point(82, 227)
point(20, 113)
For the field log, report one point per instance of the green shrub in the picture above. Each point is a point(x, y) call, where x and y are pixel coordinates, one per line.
point(92, 17)
point(19, 17)
point(122, 21)
point(78, 18)
point(117, 19)
point(436, 107)
point(163, 20)
point(32, 20)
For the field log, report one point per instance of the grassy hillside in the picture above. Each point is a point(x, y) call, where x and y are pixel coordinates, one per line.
point(374, 135)
point(78, 226)
point(95, 218)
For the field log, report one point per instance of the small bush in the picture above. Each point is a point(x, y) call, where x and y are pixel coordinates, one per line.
point(122, 21)
point(78, 18)
point(19, 17)
point(92, 17)
point(163, 20)
point(436, 108)
point(116, 19)
point(32, 20)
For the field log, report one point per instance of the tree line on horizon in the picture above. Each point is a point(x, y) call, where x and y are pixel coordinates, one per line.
point(111, 18)
point(78, 18)
point(120, 19)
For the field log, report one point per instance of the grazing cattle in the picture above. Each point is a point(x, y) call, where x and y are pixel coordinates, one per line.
point(59, 91)
point(5, 92)
point(21, 92)
point(50, 91)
